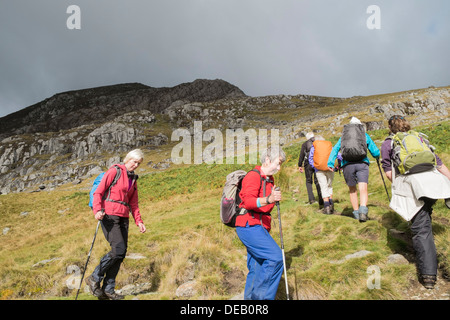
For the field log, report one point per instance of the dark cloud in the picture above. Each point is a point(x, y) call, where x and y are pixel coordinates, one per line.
point(262, 46)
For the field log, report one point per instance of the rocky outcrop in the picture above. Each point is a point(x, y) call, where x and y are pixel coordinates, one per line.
point(48, 160)
point(66, 138)
point(433, 101)
point(72, 109)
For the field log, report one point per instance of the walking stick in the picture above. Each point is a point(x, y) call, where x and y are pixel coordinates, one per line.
point(379, 168)
point(87, 261)
point(282, 247)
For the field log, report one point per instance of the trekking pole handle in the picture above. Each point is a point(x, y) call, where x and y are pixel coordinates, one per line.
point(277, 202)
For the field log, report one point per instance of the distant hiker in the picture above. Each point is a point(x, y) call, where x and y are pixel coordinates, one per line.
point(264, 256)
point(304, 166)
point(415, 190)
point(114, 216)
point(353, 146)
point(318, 160)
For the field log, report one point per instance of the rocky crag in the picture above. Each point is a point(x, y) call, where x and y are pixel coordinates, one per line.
point(75, 135)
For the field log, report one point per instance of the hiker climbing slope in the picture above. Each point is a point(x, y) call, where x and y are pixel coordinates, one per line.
point(417, 181)
point(353, 146)
point(310, 174)
point(318, 160)
point(264, 256)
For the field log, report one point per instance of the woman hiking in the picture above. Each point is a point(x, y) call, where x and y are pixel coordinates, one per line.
point(353, 145)
point(318, 160)
point(310, 173)
point(264, 256)
point(114, 215)
point(414, 194)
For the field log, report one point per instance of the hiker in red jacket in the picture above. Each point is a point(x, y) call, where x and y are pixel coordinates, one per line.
point(264, 256)
point(114, 216)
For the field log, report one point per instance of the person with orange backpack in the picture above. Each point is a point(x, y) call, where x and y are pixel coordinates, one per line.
point(353, 146)
point(318, 159)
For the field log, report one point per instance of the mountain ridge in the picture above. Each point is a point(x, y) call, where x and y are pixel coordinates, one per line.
point(73, 108)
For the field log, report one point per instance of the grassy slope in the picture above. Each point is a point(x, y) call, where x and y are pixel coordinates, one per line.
point(186, 240)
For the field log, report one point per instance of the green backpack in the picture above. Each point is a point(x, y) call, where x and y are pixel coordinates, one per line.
point(412, 152)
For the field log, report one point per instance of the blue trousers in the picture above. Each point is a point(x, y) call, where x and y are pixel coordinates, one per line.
point(264, 263)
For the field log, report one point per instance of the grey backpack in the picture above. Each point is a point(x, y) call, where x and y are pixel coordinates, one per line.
point(353, 143)
point(229, 204)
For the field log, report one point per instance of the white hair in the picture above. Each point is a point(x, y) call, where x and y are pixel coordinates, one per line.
point(273, 154)
point(355, 120)
point(136, 154)
point(318, 138)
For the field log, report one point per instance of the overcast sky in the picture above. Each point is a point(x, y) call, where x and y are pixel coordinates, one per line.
point(319, 47)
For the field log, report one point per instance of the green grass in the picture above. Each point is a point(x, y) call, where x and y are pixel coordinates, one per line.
point(185, 239)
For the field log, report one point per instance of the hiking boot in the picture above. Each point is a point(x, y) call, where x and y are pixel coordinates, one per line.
point(363, 212)
point(447, 202)
point(356, 214)
point(114, 295)
point(103, 296)
point(327, 210)
point(428, 281)
point(94, 287)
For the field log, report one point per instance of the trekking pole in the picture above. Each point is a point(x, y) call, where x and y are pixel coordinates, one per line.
point(87, 261)
point(382, 178)
point(282, 246)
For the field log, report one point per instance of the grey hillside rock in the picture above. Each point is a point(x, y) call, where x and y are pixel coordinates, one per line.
point(23, 164)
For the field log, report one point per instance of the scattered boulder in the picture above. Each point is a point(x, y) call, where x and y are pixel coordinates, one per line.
point(135, 289)
point(397, 259)
point(359, 254)
point(44, 262)
point(186, 290)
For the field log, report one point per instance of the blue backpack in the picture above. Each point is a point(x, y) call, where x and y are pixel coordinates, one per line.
point(97, 182)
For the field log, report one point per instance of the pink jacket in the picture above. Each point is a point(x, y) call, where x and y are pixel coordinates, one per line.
point(124, 190)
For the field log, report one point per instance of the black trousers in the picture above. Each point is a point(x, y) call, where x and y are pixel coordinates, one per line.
point(423, 240)
point(309, 175)
point(115, 229)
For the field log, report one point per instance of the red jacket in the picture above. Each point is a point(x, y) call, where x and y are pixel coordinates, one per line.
point(124, 190)
point(252, 189)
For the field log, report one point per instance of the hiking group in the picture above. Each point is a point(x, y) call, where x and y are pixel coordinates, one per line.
point(418, 178)
point(408, 160)
point(319, 158)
